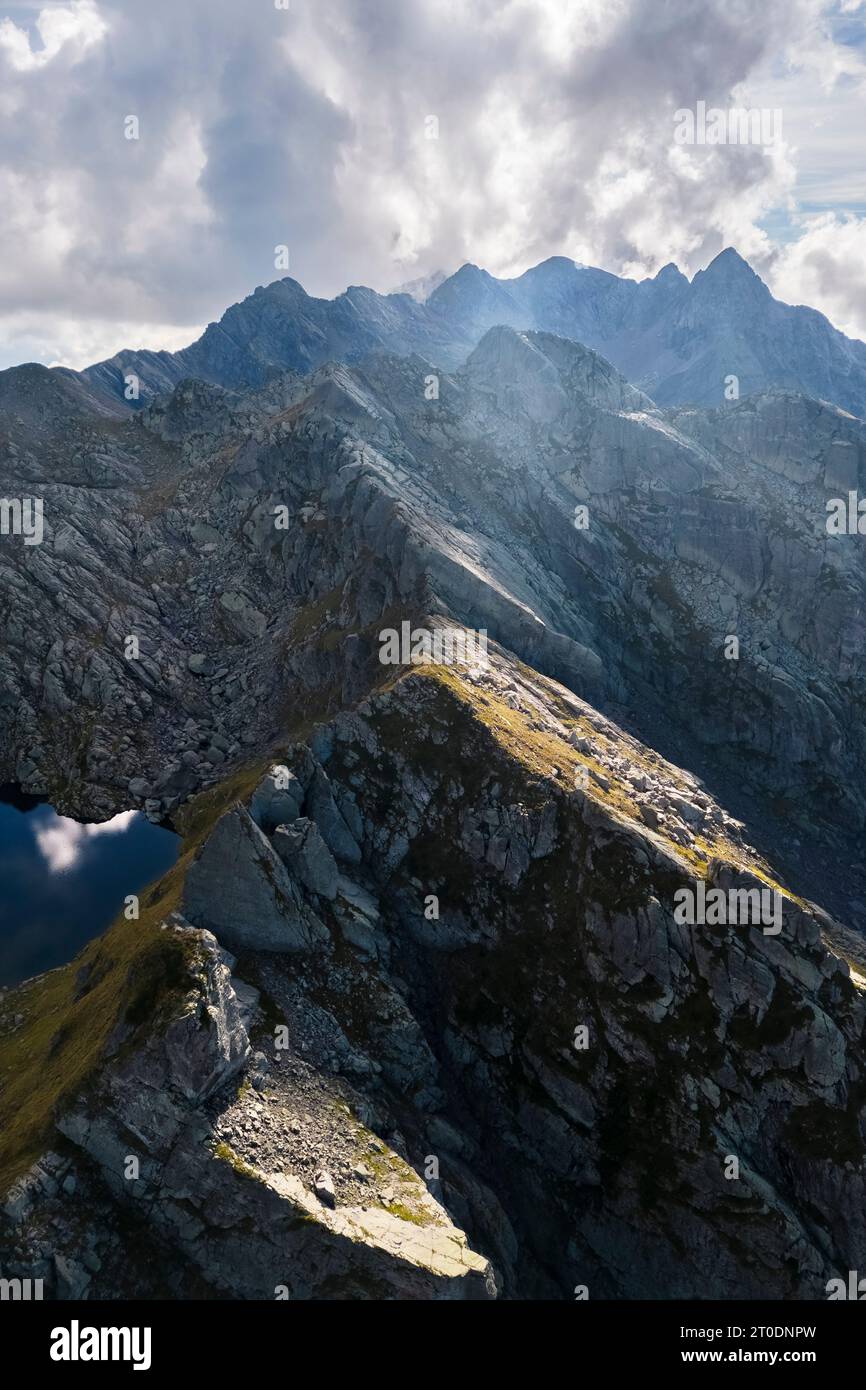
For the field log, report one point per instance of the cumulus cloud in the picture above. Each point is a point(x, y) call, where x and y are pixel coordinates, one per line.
point(75, 26)
point(62, 842)
point(310, 127)
point(826, 266)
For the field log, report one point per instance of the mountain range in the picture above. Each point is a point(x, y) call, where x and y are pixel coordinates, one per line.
point(676, 339)
point(415, 1015)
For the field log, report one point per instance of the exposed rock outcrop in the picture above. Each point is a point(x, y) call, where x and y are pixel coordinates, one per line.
point(238, 886)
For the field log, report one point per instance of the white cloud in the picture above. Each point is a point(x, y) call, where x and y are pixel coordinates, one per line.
point(825, 268)
point(37, 336)
point(61, 842)
point(76, 26)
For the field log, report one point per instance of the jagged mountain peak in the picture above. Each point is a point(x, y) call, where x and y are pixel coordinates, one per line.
point(466, 291)
point(554, 265)
point(668, 336)
point(467, 277)
point(506, 345)
point(730, 260)
point(729, 272)
point(470, 271)
point(286, 284)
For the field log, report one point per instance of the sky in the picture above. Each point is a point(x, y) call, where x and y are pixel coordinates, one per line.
point(381, 141)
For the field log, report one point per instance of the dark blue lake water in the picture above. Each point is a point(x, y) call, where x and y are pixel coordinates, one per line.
point(63, 883)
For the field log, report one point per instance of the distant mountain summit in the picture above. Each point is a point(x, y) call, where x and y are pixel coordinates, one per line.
point(682, 342)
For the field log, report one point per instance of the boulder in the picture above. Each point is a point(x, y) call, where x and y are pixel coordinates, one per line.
point(324, 1188)
point(324, 811)
point(239, 889)
point(307, 857)
point(276, 800)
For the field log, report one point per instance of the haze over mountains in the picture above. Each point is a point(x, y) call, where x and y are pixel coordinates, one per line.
point(676, 339)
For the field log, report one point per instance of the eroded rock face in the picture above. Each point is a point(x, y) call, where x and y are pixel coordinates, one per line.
point(757, 1035)
point(170, 1071)
point(504, 1026)
point(239, 888)
point(306, 856)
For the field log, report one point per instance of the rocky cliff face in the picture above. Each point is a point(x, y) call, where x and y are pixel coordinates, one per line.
point(415, 1016)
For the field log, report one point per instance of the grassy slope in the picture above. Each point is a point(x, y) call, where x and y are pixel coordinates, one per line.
point(134, 971)
point(545, 755)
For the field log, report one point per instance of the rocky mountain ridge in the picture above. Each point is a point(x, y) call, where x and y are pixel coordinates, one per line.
point(167, 527)
point(680, 341)
point(414, 1016)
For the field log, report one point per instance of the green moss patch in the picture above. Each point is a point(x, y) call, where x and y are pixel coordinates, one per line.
point(128, 976)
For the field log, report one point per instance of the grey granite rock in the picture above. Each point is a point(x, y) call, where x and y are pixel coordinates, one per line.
point(332, 827)
point(307, 857)
point(277, 799)
point(239, 889)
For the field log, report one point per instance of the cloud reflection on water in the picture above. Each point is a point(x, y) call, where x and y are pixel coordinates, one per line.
point(62, 842)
